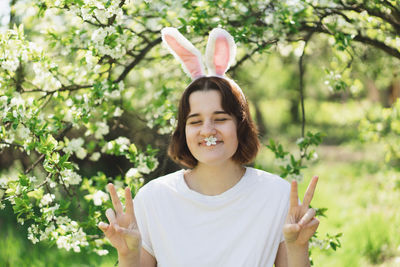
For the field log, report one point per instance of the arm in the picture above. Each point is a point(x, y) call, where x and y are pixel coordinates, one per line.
point(145, 260)
point(124, 234)
point(299, 227)
point(297, 256)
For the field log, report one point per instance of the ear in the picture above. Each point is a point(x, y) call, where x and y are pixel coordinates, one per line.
point(220, 52)
point(184, 51)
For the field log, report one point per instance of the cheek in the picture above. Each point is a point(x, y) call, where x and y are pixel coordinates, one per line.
point(189, 134)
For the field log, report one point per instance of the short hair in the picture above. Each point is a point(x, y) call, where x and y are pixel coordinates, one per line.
point(234, 103)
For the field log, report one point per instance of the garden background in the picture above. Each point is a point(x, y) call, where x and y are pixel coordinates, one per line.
point(88, 95)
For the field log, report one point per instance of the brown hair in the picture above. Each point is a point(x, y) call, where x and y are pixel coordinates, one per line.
point(234, 103)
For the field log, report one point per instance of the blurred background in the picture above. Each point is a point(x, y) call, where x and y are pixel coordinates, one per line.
point(339, 77)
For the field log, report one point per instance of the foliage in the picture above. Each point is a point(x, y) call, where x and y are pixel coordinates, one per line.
point(70, 69)
point(290, 168)
point(383, 125)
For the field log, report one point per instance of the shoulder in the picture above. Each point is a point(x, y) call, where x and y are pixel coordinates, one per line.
point(163, 183)
point(269, 179)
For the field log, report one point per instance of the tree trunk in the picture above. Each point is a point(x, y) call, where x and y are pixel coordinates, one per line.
point(262, 128)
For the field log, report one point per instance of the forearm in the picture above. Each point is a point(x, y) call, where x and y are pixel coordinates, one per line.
point(297, 255)
point(129, 260)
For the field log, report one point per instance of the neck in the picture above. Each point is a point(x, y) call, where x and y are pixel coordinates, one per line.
point(215, 179)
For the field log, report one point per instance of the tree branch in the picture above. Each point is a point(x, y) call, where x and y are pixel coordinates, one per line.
point(136, 61)
point(59, 136)
point(359, 38)
point(249, 55)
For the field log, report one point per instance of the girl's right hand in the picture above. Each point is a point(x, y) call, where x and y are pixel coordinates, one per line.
point(122, 230)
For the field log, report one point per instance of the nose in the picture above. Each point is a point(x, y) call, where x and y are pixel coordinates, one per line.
point(208, 128)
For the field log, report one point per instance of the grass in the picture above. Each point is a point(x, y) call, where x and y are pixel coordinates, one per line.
point(362, 204)
point(16, 250)
point(354, 185)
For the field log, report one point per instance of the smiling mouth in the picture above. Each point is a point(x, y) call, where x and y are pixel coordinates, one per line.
point(204, 143)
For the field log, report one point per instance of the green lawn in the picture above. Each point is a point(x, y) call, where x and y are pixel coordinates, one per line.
point(362, 204)
point(355, 186)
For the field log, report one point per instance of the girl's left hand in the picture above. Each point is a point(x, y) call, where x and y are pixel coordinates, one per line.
point(300, 223)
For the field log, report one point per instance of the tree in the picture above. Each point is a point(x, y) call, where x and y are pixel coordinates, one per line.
point(74, 73)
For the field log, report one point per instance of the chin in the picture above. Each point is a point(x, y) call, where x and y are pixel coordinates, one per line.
point(214, 161)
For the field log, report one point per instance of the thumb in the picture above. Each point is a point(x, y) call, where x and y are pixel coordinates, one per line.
point(291, 232)
point(132, 237)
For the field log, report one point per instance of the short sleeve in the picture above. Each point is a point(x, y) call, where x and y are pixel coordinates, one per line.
point(284, 214)
point(142, 221)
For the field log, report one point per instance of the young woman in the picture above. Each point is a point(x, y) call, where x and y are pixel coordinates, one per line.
point(217, 212)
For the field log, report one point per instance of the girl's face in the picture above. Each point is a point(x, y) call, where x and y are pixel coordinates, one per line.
point(207, 118)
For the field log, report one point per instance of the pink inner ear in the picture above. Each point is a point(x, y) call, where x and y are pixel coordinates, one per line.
point(221, 55)
point(190, 60)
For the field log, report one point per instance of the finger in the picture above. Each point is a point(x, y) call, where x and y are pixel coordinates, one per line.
point(115, 199)
point(133, 225)
point(294, 198)
point(103, 226)
point(291, 228)
point(308, 216)
point(128, 202)
point(111, 216)
point(132, 237)
point(308, 231)
point(314, 223)
point(291, 232)
point(310, 191)
point(122, 230)
point(310, 228)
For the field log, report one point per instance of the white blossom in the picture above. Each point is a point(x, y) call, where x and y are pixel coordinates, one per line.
point(101, 252)
point(99, 197)
point(75, 146)
point(46, 199)
point(117, 112)
point(143, 166)
point(70, 177)
point(211, 140)
point(74, 238)
point(33, 230)
point(102, 129)
point(3, 181)
point(49, 212)
point(95, 156)
point(132, 172)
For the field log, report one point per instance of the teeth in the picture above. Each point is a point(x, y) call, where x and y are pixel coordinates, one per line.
point(211, 140)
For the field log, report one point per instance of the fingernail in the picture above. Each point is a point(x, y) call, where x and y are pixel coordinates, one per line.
point(102, 225)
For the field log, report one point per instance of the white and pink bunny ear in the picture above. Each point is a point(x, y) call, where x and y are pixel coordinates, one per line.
point(220, 52)
point(184, 51)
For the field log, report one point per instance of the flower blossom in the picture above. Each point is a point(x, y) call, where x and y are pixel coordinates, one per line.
point(70, 177)
point(211, 140)
point(99, 197)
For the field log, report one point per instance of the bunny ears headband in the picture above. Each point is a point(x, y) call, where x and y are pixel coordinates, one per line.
point(220, 53)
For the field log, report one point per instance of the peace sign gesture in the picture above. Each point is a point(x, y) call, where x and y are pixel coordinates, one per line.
point(122, 231)
point(300, 223)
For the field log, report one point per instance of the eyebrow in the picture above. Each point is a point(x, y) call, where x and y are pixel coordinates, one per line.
point(197, 114)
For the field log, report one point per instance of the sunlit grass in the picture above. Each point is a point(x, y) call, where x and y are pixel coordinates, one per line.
point(17, 251)
point(362, 204)
point(356, 187)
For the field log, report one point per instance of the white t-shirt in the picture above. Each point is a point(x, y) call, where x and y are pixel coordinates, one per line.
point(241, 227)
